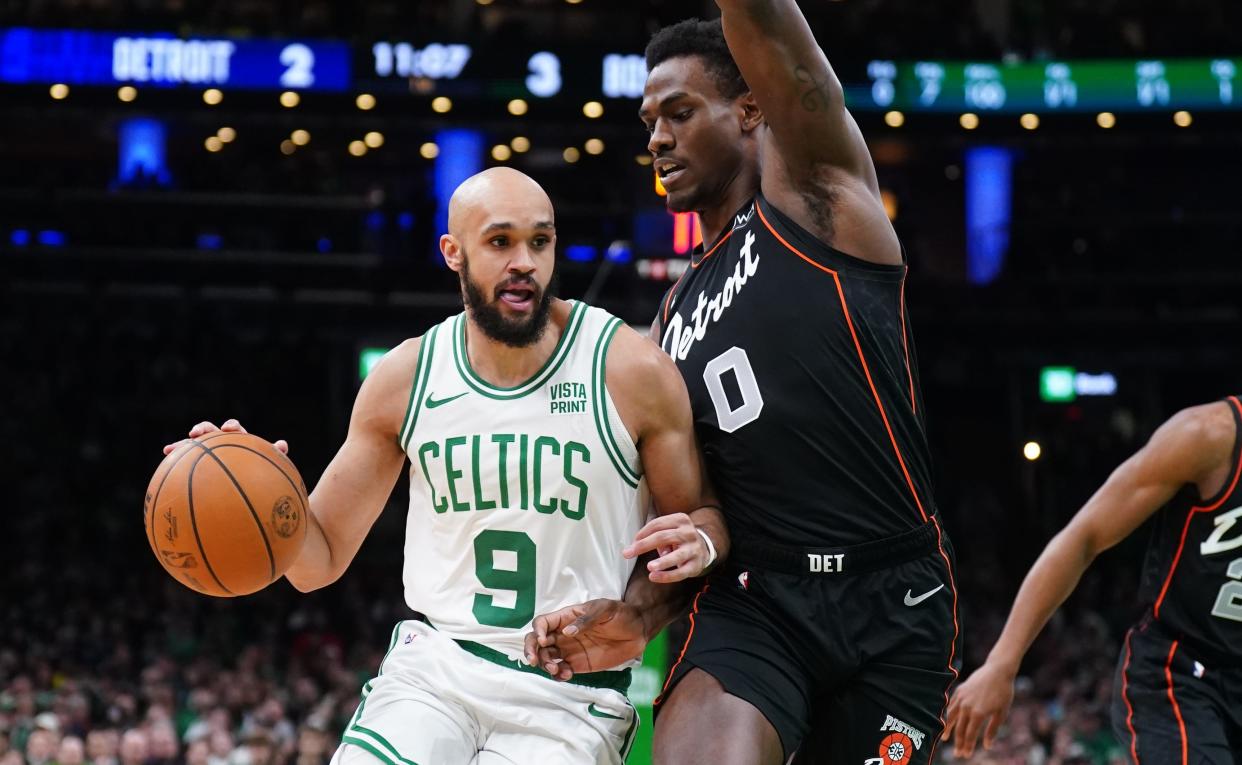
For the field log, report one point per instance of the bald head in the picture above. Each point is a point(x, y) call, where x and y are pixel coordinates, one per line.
point(499, 195)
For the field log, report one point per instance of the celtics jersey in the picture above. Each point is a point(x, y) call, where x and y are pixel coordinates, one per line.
point(521, 498)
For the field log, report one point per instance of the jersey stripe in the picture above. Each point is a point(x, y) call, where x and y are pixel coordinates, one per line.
point(426, 350)
point(905, 346)
point(1125, 696)
point(1177, 710)
point(668, 302)
point(599, 405)
point(861, 358)
point(694, 610)
point(482, 387)
point(931, 757)
point(1177, 557)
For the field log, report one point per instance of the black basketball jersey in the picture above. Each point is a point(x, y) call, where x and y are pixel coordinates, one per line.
point(1192, 577)
point(801, 371)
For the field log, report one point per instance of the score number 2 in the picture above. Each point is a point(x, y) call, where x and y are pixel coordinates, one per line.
point(299, 62)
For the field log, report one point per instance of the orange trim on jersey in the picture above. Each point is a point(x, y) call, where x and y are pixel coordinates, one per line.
point(861, 358)
point(712, 251)
point(931, 757)
point(668, 300)
point(693, 610)
point(1177, 557)
point(1177, 711)
point(901, 315)
point(1125, 696)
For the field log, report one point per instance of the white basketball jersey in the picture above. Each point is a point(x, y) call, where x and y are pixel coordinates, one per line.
point(520, 498)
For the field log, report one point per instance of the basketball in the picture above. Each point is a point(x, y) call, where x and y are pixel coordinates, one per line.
point(226, 514)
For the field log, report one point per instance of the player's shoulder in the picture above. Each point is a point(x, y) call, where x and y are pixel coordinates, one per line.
point(1210, 429)
point(394, 372)
point(636, 357)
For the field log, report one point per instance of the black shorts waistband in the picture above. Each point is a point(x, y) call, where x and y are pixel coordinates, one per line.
point(853, 559)
point(1208, 655)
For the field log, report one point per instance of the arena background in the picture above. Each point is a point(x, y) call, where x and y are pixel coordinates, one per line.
point(231, 225)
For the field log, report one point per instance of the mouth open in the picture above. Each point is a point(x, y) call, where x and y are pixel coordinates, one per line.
point(669, 171)
point(517, 297)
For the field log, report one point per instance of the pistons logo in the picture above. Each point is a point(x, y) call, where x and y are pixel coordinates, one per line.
point(896, 749)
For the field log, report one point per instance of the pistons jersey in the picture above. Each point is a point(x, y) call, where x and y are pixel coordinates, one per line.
point(801, 370)
point(1192, 577)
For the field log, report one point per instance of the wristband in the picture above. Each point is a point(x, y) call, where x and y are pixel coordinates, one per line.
point(711, 548)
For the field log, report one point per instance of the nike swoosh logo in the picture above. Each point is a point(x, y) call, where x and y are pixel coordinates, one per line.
point(432, 403)
point(915, 601)
point(595, 712)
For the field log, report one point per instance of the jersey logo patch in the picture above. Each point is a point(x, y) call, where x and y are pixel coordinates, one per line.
point(595, 711)
point(741, 219)
point(433, 402)
point(567, 398)
point(899, 746)
point(914, 601)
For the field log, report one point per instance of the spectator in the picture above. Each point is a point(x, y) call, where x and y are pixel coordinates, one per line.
point(71, 752)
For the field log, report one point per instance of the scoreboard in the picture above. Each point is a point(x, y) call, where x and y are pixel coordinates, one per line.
point(78, 57)
point(1048, 86)
point(471, 70)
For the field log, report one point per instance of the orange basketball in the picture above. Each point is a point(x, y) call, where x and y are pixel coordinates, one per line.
point(226, 514)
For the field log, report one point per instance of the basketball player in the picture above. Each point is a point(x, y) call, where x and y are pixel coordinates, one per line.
point(1178, 692)
point(532, 425)
point(836, 611)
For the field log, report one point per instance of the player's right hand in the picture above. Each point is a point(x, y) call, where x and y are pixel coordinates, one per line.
point(980, 704)
point(229, 426)
point(589, 637)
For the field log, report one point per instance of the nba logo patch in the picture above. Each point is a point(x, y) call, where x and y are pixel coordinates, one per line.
point(1199, 669)
point(409, 638)
point(743, 580)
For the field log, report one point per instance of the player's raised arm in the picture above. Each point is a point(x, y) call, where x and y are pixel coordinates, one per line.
point(800, 96)
point(1185, 450)
point(356, 485)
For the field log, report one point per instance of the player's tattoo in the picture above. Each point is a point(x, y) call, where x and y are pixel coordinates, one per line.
point(817, 95)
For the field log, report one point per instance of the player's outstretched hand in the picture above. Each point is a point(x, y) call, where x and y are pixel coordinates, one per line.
point(675, 539)
point(589, 637)
point(980, 704)
point(229, 426)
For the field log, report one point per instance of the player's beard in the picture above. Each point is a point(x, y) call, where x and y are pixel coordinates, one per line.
point(487, 315)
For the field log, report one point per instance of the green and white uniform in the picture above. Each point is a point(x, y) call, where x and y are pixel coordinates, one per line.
point(520, 502)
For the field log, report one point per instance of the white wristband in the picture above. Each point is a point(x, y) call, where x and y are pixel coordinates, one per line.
point(711, 548)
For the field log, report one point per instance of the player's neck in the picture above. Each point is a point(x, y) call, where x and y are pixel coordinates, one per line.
point(505, 366)
point(718, 218)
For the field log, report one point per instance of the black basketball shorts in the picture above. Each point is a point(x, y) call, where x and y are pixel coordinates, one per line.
point(848, 652)
point(1172, 705)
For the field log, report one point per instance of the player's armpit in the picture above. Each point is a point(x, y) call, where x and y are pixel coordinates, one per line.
point(356, 485)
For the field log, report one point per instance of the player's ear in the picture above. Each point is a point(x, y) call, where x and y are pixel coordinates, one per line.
point(451, 251)
point(750, 115)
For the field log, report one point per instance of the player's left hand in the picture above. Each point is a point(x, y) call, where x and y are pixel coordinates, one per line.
point(587, 637)
point(979, 705)
point(682, 552)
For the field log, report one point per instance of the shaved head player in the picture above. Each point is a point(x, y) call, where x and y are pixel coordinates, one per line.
point(531, 425)
point(832, 629)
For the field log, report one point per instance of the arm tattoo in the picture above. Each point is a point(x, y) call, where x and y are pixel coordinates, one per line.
point(817, 94)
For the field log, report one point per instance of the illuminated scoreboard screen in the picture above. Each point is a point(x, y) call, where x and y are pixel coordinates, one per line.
point(491, 71)
point(1049, 86)
point(77, 57)
point(473, 70)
